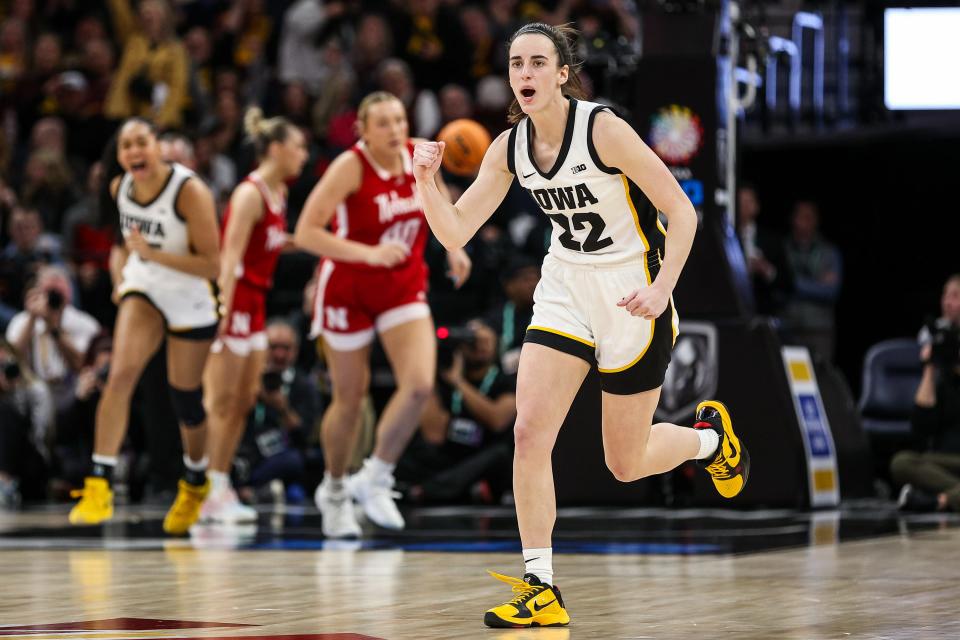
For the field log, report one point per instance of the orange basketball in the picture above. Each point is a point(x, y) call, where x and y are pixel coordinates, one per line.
point(467, 141)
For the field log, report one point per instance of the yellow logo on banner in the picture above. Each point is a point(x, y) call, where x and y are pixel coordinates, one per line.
point(799, 371)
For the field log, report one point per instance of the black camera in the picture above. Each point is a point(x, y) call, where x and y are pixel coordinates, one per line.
point(944, 343)
point(449, 339)
point(11, 370)
point(271, 381)
point(55, 300)
point(103, 373)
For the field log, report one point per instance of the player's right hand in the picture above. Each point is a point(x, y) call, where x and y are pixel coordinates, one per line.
point(426, 159)
point(387, 254)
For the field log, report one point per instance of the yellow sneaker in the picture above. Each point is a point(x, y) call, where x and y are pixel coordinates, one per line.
point(186, 508)
point(96, 502)
point(534, 605)
point(730, 467)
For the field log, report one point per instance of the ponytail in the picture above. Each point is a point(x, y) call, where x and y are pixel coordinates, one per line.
point(262, 132)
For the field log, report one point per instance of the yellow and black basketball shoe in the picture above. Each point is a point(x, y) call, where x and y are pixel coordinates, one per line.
point(730, 467)
point(534, 605)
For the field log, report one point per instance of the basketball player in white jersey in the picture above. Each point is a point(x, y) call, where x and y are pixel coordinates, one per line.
point(605, 297)
point(163, 276)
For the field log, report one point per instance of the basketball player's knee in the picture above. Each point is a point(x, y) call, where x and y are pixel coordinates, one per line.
point(188, 405)
point(222, 403)
point(529, 438)
point(623, 469)
point(348, 400)
point(122, 380)
point(417, 389)
point(902, 466)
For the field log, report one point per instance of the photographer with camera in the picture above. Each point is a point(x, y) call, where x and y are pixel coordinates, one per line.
point(52, 335)
point(281, 420)
point(26, 412)
point(465, 448)
point(931, 478)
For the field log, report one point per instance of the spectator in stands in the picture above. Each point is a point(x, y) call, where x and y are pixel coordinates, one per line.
point(765, 255)
point(431, 39)
point(424, 111)
point(302, 43)
point(31, 90)
point(87, 241)
point(51, 335)
point(511, 319)
point(74, 439)
point(465, 448)
point(818, 274)
point(49, 188)
point(455, 103)
point(13, 54)
point(25, 417)
point(29, 249)
point(280, 424)
point(153, 78)
point(373, 44)
point(931, 477)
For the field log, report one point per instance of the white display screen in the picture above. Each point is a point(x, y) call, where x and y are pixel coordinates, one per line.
point(921, 58)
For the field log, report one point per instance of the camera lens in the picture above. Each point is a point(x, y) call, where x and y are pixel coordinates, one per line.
point(55, 299)
point(11, 370)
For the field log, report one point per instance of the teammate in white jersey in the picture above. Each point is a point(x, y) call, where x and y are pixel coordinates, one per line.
point(163, 276)
point(605, 297)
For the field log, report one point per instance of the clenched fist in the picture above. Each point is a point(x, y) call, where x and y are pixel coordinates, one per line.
point(426, 159)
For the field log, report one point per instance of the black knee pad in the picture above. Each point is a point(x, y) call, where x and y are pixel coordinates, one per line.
point(188, 405)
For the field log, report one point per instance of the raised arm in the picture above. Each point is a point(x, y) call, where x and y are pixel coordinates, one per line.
point(342, 178)
point(246, 209)
point(454, 225)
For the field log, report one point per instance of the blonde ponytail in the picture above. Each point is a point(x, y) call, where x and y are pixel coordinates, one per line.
point(264, 131)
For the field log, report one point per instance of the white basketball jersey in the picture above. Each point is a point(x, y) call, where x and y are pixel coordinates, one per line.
point(161, 225)
point(599, 215)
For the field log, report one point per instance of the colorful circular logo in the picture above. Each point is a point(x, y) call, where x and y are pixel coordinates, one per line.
point(676, 133)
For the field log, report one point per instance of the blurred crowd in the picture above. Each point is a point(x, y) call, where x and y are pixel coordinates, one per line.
point(71, 70)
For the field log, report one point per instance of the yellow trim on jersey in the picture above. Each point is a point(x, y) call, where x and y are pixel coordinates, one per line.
point(636, 222)
point(565, 335)
point(660, 224)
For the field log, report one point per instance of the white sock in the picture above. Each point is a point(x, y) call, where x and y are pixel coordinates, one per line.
point(709, 441)
point(195, 465)
point(110, 461)
point(539, 562)
point(336, 484)
point(219, 481)
point(378, 467)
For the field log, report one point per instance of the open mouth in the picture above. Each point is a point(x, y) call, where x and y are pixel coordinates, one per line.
point(138, 166)
point(527, 93)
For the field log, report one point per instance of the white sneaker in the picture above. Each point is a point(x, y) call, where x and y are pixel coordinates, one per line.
point(339, 521)
point(223, 507)
point(376, 495)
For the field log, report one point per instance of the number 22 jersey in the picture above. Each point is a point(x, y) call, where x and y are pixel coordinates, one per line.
point(599, 215)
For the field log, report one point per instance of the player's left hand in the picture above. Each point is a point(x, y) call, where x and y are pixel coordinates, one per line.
point(137, 243)
point(460, 266)
point(646, 302)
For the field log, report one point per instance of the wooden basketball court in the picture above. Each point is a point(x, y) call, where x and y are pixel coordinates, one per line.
point(642, 573)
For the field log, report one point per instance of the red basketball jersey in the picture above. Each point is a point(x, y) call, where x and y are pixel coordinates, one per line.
point(384, 209)
point(267, 240)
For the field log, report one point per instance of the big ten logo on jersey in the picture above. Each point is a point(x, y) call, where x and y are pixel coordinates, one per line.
point(403, 232)
point(336, 318)
point(240, 323)
point(276, 238)
point(576, 197)
point(390, 205)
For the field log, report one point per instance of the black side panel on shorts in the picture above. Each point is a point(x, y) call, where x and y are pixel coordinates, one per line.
point(196, 333)
point(648, 373)
point(562, 343)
